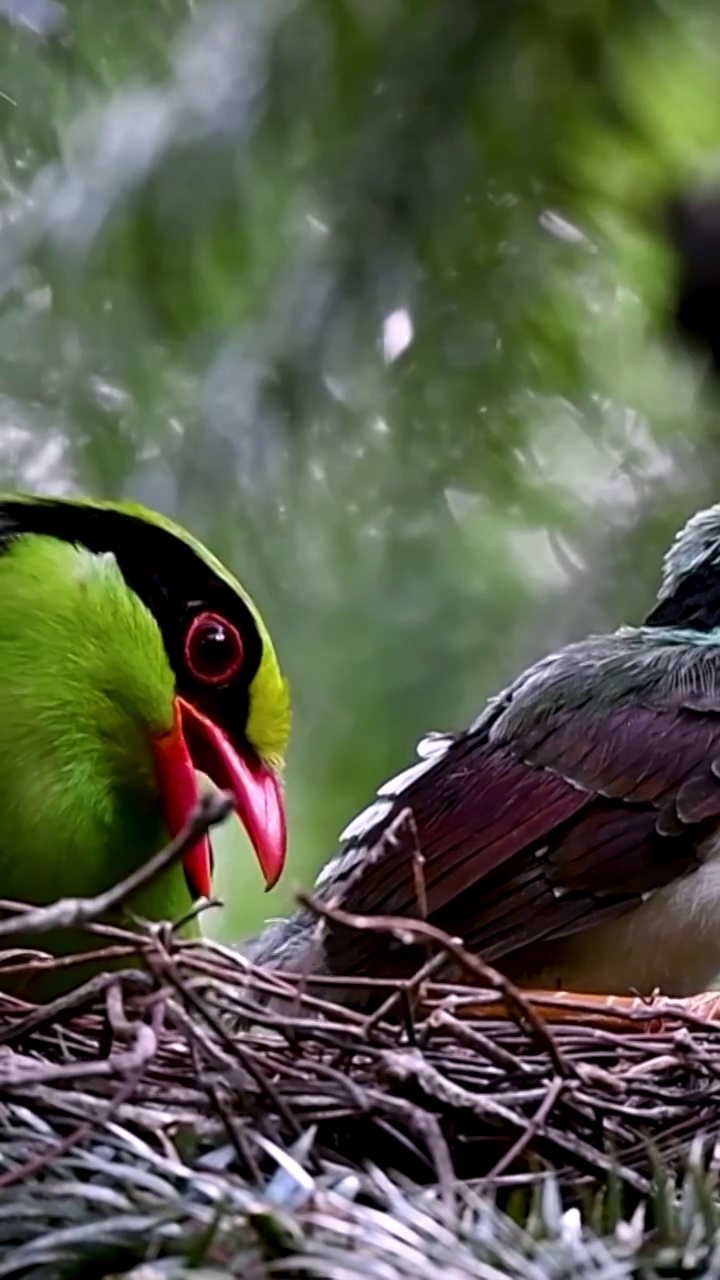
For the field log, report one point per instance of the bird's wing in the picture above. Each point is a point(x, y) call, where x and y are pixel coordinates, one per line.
point(584, 787)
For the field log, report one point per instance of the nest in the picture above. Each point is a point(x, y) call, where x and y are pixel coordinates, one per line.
point(199, 1110)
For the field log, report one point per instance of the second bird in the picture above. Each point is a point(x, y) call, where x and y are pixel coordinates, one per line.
point(571, 835)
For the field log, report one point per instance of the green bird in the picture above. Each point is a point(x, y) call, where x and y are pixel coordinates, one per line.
point(130, 658)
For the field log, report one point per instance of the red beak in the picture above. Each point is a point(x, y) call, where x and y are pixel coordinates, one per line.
point(195, 742)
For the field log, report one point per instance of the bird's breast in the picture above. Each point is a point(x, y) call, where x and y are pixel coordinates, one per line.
point(671, 942)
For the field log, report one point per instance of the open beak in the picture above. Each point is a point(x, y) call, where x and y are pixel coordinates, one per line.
point(195, 742)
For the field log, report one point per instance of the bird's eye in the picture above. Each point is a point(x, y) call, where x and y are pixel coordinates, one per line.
point(213, 649)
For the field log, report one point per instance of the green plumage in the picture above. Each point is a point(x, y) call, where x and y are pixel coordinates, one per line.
point(268, 723)
point(83, 675)
point(95, 606)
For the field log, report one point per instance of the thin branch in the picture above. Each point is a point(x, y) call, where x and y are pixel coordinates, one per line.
point(535, 1126)
point(420, 932)
point(73, 1001)
point(71, 913)
point(134, 1065)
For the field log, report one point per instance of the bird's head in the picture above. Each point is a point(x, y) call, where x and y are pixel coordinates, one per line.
point(689, 594)
point(187, 650)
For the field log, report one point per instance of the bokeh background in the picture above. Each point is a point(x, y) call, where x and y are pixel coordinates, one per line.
point(370, 294)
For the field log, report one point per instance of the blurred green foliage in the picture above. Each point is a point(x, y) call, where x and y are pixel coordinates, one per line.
point(369, 293)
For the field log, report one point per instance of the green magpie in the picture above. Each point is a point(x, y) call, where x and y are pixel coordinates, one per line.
point(130, 659)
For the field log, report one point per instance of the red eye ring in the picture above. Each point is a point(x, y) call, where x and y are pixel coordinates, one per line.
point(213, 649)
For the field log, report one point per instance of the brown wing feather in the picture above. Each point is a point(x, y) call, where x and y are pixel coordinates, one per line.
point(546, 834)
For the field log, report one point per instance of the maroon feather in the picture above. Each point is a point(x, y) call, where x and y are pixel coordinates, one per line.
point(545, 832)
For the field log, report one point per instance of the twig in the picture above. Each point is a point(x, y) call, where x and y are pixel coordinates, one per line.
point(34, 1166)
point(72, 1002)
point(71, 913)
point(247, 1060)
point(523, 1142)
point(119, 1064)
point(420, 931)
point(404, 987)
